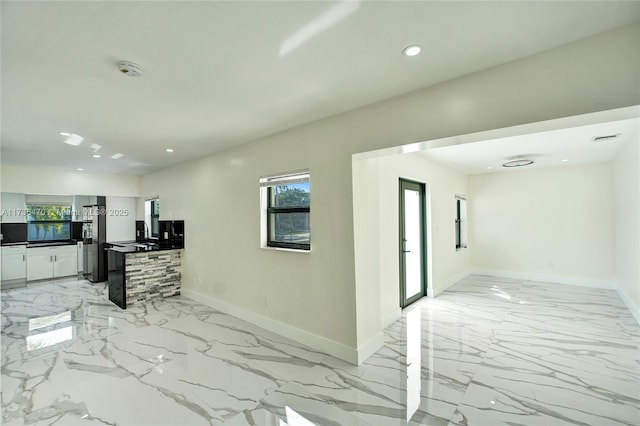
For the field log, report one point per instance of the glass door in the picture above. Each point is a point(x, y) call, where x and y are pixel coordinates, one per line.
point(412, 242)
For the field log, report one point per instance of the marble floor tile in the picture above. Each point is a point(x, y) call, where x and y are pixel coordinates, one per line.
point(488, 351)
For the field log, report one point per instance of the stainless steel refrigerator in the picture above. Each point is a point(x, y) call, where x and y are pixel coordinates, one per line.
point(94, 234)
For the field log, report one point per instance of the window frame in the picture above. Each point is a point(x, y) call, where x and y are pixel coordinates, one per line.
point(68, 222)
point(155, 218)
point(460, 223)
point(267, 185)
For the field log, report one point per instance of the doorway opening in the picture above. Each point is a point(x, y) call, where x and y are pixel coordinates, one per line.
point(413, 282)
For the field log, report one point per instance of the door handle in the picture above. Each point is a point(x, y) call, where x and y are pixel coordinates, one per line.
point(23, 258)
point(406, 251)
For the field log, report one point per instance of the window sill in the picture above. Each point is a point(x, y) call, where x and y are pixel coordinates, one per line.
point(285, 249)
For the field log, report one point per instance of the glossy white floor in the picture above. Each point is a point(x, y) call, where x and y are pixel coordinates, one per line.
point(487, 352)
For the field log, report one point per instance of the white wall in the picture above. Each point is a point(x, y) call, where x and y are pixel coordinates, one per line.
point(32, 180)
point(12, 206)
point(376, 219)
point(627, 219)
point(315, 293)
point(551, 224)
point(121, 218)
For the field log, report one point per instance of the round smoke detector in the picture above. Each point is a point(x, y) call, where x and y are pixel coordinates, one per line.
point(518, 161)
point(130, 69)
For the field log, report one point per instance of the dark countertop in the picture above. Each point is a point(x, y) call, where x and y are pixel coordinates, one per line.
point(122, 243)
point(48, 244)
point(134, 247)
point(53, 244)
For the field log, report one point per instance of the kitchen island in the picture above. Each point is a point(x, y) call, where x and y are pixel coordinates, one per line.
point(139, 273)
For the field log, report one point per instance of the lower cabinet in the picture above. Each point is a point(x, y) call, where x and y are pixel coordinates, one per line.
point(39, 264)
point(14, 264)
point(51, 262)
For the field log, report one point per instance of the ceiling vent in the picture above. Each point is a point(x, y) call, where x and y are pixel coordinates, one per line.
point(606, 138)
point(517, 161)
point(130, 69)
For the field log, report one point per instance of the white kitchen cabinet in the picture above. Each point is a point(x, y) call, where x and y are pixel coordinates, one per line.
point(78, 202)
point(51, 262)
point(14, 263)
point(65, 263)
point(39, 263)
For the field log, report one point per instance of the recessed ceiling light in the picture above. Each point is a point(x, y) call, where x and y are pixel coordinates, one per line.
point(489, 168)
point(96, 155)
point(79, 169)
point(169, 149)
point(412, 50)
point(564, 160)
point(64, 133)
point(73, 139)
point(116, 156)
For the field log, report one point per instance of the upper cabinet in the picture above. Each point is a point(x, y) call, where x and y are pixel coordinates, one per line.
point(78, 202)
point(13, 208)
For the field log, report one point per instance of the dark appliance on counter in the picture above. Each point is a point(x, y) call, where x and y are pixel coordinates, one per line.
point(14, 233)
point(171, 233)
point(94, 234)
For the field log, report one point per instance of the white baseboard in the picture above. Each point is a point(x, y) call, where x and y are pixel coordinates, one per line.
point(391, 317)
point(635, 310)
point(445, 284)
point(322, 344)
point(558, 279)
point(369, 348)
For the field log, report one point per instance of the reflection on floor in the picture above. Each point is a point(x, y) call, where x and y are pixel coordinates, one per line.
point(487, 352)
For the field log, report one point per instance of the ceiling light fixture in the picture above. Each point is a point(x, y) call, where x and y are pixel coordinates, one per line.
point(412, 50)
point(117, 156)
point(517, 161)
point(169, 149)
point(73, 139)
point(489, 168)
point(606, 138)
point(64, 133)
point(79, 169)
point(564, 160)
point(96, 156)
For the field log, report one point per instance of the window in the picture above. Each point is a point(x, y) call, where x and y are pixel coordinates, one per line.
point(48, 222)
point(461, 222)
point(286, 204)
point(155, 218)
point(152, 218)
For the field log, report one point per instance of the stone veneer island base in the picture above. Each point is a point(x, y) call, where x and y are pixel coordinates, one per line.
point(136, 277)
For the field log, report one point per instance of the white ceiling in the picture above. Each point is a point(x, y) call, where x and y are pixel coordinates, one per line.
point(217, 74)
point(546, 149)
